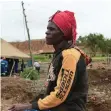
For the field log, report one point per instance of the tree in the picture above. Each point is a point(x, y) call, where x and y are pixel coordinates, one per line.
point(81, 40)
point(95, 42)
point(108, 45)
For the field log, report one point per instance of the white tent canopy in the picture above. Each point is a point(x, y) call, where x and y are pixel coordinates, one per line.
point(9, 51)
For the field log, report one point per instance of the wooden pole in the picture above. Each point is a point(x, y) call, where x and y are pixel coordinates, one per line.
point(27, 31)
point(12, 68)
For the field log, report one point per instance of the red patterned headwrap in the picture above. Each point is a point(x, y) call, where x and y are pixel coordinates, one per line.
point(65, 20)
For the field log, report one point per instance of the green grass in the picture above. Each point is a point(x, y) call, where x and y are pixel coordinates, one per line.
point(42, 58)
point(99, 58)
point(46, 58)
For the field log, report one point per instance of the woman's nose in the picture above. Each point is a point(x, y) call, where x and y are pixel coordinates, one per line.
point(47, 32)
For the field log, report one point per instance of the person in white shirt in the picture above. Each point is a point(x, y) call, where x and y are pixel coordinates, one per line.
point(37, 66)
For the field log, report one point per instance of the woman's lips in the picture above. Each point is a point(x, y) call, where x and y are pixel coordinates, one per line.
point(48, 37)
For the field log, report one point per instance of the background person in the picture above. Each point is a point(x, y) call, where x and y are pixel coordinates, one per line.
point(37, 66)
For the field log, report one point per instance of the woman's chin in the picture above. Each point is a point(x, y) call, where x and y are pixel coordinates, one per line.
point(48, 43)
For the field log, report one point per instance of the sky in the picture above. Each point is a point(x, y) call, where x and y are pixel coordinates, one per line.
point(92, 16)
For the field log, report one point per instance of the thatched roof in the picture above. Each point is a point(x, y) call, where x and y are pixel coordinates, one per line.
point(9, 51)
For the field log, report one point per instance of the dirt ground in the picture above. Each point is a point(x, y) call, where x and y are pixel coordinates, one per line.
point(17, 90)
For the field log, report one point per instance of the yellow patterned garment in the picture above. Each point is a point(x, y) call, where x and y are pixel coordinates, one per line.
point(64, 81)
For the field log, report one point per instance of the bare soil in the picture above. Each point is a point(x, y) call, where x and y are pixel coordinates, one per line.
point(18, 90)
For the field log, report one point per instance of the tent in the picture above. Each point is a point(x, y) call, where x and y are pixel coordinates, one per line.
point(9, 51)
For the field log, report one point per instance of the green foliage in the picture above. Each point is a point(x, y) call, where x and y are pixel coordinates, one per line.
point(39, 57)
point(96, 42)
point(99, 59)
point(81, 40)
point(108, 45)
point(43, 57)
point(30, 73)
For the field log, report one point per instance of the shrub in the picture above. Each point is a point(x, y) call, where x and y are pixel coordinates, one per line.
point(30, 73)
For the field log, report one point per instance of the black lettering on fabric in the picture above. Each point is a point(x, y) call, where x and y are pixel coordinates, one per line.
point(62, 85)
point(71, 73)
point(66, 71)
point(61, 89)
point(57, 95)
point(69, 80)
point(65, 83)
point(60, 94)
